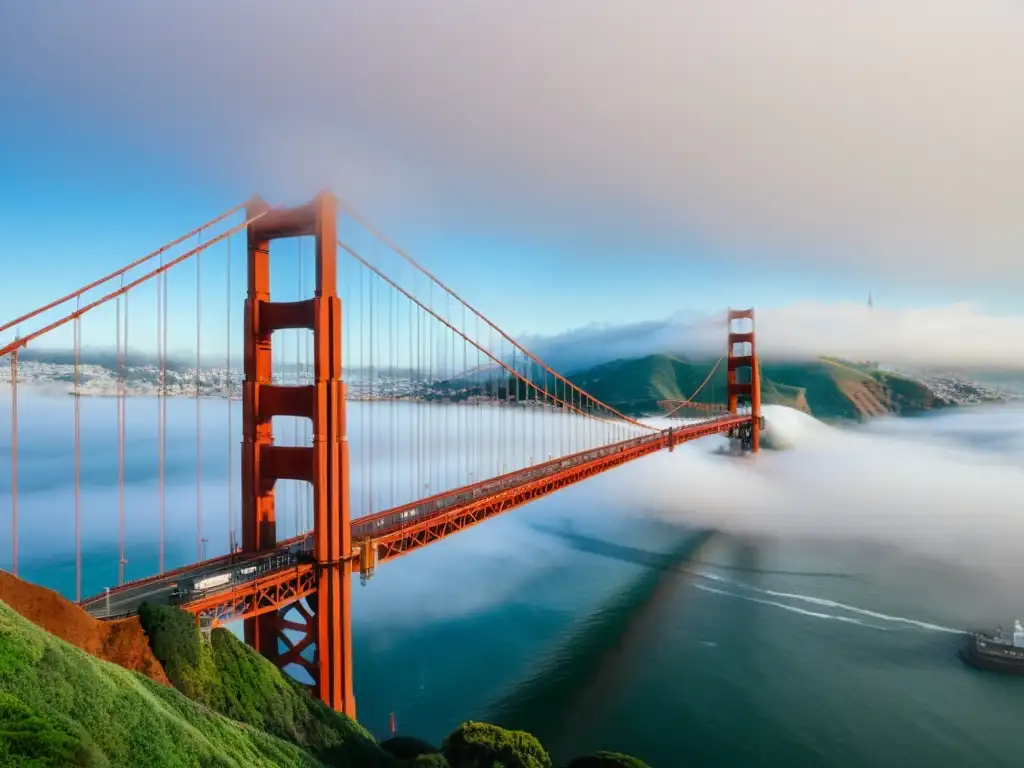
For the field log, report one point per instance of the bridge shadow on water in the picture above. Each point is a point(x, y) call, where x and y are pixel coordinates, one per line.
point(593, 664)
point(748, 554)
point(561, 696)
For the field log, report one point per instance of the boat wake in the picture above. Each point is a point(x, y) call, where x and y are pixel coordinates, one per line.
point(822, 602)
point(791, 608)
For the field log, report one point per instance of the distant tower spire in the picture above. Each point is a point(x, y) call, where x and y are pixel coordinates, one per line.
point(871, 302)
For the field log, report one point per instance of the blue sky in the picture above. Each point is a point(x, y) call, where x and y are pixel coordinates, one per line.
point(588, 184)
point(80, 203)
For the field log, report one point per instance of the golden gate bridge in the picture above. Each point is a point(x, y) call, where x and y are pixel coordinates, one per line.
point(522, 430)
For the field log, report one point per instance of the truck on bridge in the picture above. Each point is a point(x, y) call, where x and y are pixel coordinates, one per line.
point(188, 589)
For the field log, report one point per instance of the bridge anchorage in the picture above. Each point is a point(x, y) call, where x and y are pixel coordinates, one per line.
point(291, 587)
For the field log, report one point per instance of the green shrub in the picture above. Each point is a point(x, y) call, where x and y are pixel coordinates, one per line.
point(607, 760)
point(433, 760)
point(179, 647)
point(234, 680)
point(172, 636)
point(408, 747)
point(33, 740)
point(479, 745)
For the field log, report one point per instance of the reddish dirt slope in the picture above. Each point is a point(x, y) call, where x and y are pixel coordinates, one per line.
point(800, 402)
point(868, 397)
point(122, 642)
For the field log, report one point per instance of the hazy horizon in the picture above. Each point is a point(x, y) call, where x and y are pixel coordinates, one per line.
point(564, 352)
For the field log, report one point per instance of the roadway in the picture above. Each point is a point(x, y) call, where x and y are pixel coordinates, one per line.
point(390, 521)
point(125, 600)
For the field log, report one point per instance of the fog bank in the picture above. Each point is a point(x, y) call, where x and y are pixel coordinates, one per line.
point(953, 336)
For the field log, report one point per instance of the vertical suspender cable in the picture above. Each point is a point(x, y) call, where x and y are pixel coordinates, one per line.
point(162, 345)
point(124, 428)
point(77, 333)
point(477, 440)
point(536, 410)
point(462, 437)
point(514, 382)
point(423, 392)
point(413, 392)
point(497, 399)
point(363, 437)
point(442, 372)
point(393, 417)
point(14, 462)
point(296, 493)
point(308, 378)
point(372, 463)
point(120, 446)
point(199, 442)
point(229, 373)
point(159, 424)
point(439, 413)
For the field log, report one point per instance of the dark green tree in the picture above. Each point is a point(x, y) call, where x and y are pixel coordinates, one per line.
point(607, 760)
point(480, 745)
point(408, 747)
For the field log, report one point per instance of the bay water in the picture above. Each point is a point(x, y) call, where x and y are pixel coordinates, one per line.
point(800, 608)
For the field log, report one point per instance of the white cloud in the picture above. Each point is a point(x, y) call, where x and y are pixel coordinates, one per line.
point(881, 135)
point(954, 336)
point(948, 488)
point(941, 494)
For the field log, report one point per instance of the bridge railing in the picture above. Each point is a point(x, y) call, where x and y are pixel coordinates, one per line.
point(98, 612)
point(239, 568)
point(190, 590)
point(394, 519)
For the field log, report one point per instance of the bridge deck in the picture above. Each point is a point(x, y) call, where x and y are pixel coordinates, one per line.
point(249, 584)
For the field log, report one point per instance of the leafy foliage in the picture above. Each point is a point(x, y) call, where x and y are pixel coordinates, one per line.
point(34, 740)
point(480, 745)
point(432, 760)
point(408, 747)
point(237, 682)
point(607, 760)
point(62, 707)
point(178, 646)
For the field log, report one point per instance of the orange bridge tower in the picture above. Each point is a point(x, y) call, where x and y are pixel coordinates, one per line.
point(743, 377)
point(324, 649)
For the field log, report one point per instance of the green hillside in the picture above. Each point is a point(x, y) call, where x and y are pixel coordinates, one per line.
point(908, 396)
point(819, 382)
point(828, 388)
point(61, 707)
point(228, 677)
point(229, 708)
point(635, 386)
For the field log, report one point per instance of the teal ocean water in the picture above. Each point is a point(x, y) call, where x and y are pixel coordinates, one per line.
point(801, 609)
